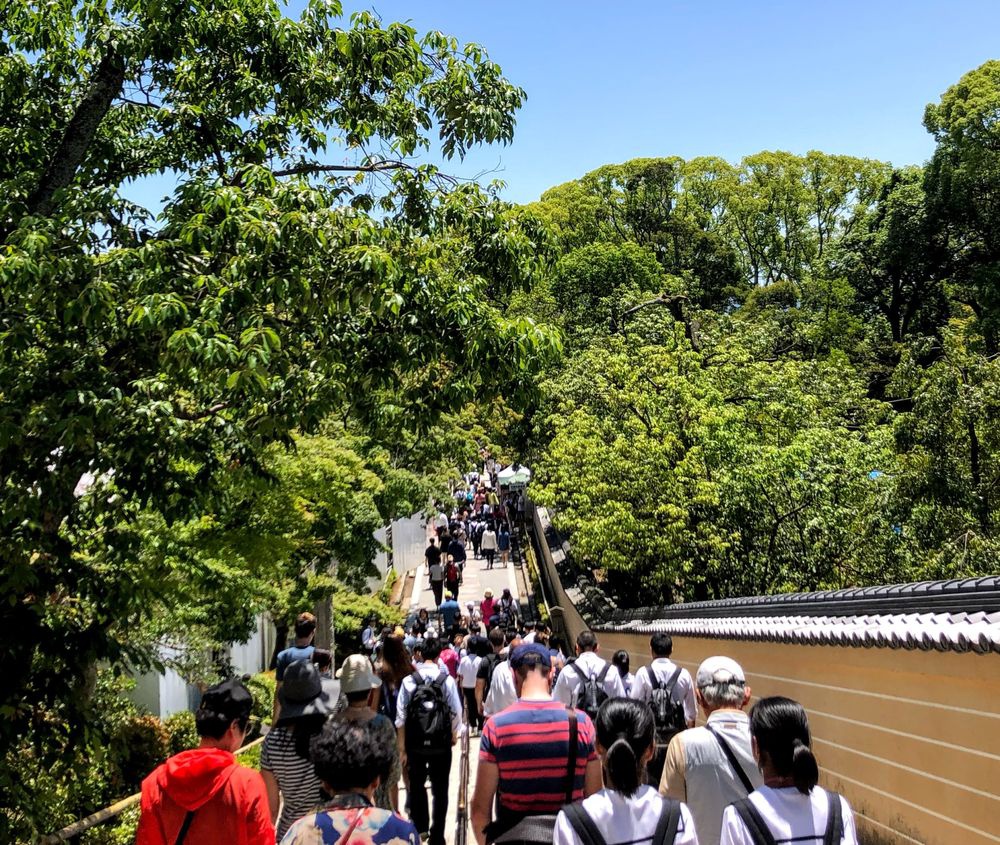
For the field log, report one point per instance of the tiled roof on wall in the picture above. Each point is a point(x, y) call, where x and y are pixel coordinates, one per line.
point(977, 632)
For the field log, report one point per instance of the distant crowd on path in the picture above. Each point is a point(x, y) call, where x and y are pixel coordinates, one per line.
point(481, 518)
point(574, 750)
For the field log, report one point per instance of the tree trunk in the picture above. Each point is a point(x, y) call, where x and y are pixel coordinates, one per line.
point(324, 623)
point(982, 503)
point(280, 641)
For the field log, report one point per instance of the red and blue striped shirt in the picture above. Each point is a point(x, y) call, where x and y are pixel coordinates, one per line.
point(529, 744)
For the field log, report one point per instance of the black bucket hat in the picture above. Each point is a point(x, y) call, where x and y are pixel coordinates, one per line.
point(304, 692)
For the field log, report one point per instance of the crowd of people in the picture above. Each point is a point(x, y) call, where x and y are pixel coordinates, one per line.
point(574, 750)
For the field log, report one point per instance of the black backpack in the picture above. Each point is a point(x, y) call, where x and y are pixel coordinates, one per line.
point(491, 661)
point(428, 717)
point(589, 834)
point(591, 693)
point(760, 833)
point(668, 714)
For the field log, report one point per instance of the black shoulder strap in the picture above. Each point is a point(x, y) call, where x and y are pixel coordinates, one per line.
point(185, 825)
point(579, 672)
point(571, 761)
point(670, 819)
point(583, 825)
point(759, 832)
point(834, 820)
point(603, 673)
point(733, 760)
point(673, 681)
point(418, 679)
point(441, 679)
point(654, 681)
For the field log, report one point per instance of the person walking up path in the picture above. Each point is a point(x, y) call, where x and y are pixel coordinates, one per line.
point(307, 700)
point(352, 761)
point(626, 810)
point(429, 722)
point(503, 544)
point(203, 796)
point(435, 570)
point(589, 677)
point(535, 756)
point(360, 685)
point(668, 689)
point(788, 807)
point(711, 767)
point(488, 544)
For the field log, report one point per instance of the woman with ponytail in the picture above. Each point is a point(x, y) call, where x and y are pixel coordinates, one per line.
point(788, 807)
point(627, 810)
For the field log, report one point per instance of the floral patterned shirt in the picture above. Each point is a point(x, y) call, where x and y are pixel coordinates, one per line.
point(375, 827)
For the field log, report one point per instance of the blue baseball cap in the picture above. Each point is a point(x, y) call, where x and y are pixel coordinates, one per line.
point(530, 654)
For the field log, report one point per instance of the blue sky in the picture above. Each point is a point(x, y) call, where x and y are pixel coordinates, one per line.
point(607, 82)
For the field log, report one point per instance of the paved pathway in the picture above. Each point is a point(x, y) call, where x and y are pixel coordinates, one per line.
point(476, 578)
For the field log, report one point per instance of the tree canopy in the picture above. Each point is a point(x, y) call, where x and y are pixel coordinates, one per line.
point(780, 374)
point(306, 269)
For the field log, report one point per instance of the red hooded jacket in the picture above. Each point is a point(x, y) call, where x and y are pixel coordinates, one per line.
point(229, 800)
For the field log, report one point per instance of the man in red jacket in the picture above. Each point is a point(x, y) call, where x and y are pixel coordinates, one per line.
point(203, 795)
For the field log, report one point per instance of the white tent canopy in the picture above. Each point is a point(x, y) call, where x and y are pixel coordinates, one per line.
point(513, 476)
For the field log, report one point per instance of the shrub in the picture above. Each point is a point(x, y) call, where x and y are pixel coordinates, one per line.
point(250, 757)
point(183, 731)
point(140, 745)
point(350, 610)
point(262, 687)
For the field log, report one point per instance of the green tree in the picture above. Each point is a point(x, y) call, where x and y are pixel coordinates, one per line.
point(720, 472)
point(281, 284)
point(962, 188)
point(889, 254)
point(592, 285)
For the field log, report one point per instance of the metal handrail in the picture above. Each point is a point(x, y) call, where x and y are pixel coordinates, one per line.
point(108, 813)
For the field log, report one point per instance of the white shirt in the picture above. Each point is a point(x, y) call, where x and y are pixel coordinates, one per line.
point(790, 816)
point(569, 679)
point(502, 693)
point(407, 688)
point(489, 540)
point(441, 520)
point(622, 820)
point(683, 691)
point(467, 668)
point(529, 637)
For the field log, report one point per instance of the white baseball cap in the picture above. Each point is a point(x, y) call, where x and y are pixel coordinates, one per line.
point(720, 670)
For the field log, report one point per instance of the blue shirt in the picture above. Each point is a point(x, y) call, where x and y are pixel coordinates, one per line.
point(289, 656)
point(449, 610)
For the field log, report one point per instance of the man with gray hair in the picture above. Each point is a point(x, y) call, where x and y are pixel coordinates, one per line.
point(708, 768)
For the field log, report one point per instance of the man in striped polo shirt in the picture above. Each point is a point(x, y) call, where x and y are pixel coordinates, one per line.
point(524, 751)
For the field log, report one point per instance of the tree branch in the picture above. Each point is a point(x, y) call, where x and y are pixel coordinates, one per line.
point(200, 415)
point(105, 85)
point(374, 167)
